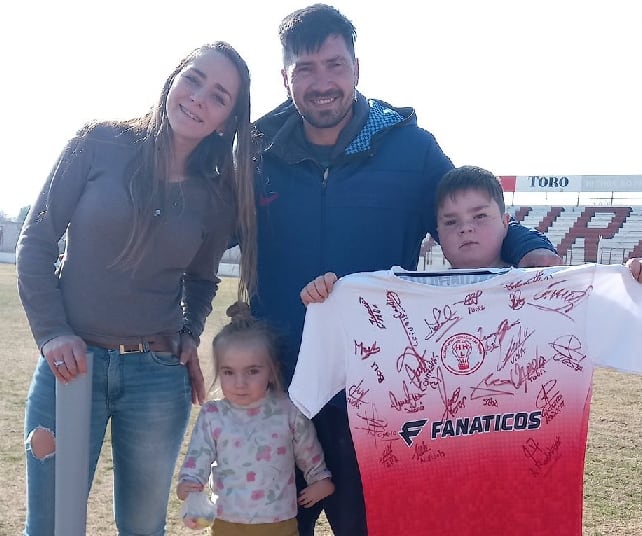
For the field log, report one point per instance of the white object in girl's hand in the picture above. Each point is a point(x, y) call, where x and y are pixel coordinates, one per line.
point(198, 511)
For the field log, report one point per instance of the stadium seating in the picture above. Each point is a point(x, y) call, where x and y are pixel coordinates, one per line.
point(604, 234)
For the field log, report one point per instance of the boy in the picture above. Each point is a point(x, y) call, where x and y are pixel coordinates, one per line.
point(469, 393)
point(471, 223)
point(471, 218)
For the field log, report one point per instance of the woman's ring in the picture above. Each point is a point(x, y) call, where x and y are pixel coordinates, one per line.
point(58, 363)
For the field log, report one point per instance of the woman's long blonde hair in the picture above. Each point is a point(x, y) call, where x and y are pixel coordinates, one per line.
point(221, 160)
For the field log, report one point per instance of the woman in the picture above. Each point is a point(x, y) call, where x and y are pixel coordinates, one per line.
point(148, 207)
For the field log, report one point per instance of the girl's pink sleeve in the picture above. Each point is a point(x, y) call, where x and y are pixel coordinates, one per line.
point(201, 452)
point(308, 453)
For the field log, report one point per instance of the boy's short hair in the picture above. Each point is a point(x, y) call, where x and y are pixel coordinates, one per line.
point(469, 178)
point(306, 29)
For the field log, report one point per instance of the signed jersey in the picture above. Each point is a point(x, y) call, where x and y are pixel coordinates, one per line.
point(469, 403)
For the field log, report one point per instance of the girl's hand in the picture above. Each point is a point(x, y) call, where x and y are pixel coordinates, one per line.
point(67, 356)
point(197, 512)
point(187, 486)
point(191, 523)
point(635, 265)
point(315, 492)
point(319, 289)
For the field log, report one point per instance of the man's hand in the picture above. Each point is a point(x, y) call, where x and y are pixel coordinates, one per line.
point(317, 290)
point(189, 358)
point(635, 265)
point(539, 258)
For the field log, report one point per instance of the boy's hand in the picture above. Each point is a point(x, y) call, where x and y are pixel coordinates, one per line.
point(539, 258)
point(315, 492)
point(319, 289)
point(635, 265)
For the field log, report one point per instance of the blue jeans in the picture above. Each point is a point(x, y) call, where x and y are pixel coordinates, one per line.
point(345, 509)
point(147, 397)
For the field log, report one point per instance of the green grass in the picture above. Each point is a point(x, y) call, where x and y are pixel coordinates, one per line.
point(613, 476)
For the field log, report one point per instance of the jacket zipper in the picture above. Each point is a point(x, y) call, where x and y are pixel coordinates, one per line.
point(324, 183)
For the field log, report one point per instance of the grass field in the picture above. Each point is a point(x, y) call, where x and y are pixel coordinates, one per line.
point(613, 476)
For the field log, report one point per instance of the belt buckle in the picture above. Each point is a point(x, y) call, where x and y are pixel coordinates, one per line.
point(132, 349)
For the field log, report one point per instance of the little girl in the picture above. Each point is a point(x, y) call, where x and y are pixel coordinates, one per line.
point(251, 439)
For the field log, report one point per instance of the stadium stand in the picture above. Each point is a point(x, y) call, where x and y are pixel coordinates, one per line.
point(604, 234)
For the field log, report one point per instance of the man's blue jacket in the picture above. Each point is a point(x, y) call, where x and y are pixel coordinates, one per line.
point(368, 209)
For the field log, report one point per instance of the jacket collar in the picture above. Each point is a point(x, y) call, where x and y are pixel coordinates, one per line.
point(280, 131)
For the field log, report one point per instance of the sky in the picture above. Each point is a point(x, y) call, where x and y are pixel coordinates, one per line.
point(552, 87)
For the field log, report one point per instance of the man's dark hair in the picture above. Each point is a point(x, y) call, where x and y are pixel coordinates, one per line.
point(305, 30)
point(469, 178)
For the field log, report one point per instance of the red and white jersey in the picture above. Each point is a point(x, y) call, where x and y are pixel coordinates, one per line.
point(469, 403)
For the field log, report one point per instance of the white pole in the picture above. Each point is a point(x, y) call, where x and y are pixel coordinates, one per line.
point(73, 410)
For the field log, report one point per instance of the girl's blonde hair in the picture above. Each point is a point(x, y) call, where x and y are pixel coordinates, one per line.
point(243, 327)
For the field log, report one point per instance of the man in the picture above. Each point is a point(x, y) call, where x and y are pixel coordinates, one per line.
point(344, 184)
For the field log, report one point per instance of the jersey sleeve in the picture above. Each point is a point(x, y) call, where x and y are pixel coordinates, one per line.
point(320, 371)
point(614, 319)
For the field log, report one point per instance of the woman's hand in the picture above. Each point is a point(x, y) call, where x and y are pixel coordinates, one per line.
point(66, 356)
point(189, 358)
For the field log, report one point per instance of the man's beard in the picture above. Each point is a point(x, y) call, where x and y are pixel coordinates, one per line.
point(324, 118)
